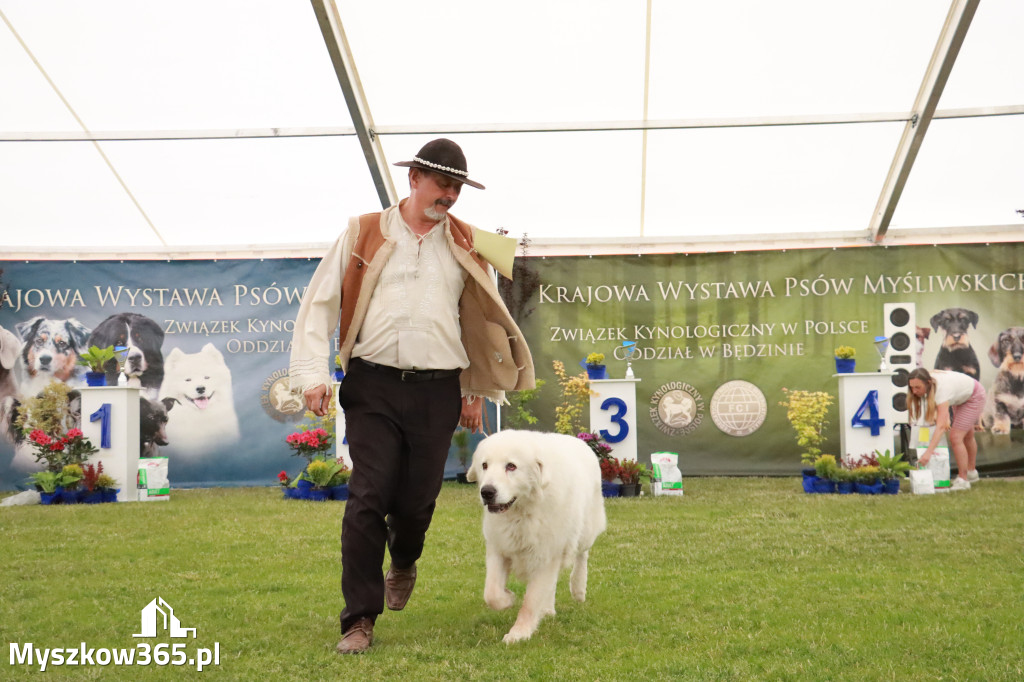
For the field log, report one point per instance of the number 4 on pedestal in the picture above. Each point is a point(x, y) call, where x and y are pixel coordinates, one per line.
point(872, 420)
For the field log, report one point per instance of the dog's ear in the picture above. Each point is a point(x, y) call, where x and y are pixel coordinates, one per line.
point(995, 352)
point(169, 403)
point(471, 471)
point(542, 474)
point(78, 332)
point(973, 317)
point(936, 319)
point(26, 330)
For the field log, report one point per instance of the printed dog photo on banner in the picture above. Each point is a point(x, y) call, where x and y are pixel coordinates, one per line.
point(204, 421)
point(1004, 407)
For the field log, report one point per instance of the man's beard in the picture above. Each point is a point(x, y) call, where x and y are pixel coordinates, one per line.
point(434, 214)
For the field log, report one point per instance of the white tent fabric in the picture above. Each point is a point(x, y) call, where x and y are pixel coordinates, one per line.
point(594, 124)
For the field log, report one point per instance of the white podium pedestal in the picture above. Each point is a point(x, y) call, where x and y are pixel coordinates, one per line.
point(866, 424)
point(340, 446)
point(613, 415)
point(121, 458)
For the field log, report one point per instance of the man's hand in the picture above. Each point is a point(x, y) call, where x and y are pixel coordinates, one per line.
point(318, 400)
point(472, 414)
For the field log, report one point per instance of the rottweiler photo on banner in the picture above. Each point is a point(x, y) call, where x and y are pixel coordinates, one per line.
point(717, 337)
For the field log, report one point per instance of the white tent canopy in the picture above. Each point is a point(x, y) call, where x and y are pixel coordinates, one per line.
point(597, 125)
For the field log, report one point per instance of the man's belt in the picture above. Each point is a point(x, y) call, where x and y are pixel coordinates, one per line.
point(408, 375)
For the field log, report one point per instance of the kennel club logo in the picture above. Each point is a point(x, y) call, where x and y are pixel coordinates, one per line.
point(738, 408)
point(278, 401)
point(677, 408)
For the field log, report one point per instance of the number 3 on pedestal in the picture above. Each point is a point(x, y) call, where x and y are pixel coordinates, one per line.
point(872, 420)
point(618, 418)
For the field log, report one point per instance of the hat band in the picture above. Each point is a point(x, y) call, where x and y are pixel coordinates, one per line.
point(440, 167)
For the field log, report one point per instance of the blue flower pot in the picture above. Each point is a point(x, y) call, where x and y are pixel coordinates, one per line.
point(844, 487)
point(96, 378)
point(302, 489)
point(891, 487)
point(809, 479)
point(319, 494)
point(69, 497)
point(869, 489)
point(339, 374)
point(49, 498)
point(339, 492)
point(95, 497)
point(110, 494)
point(596, 372)
point(845, 365)
point(609, 489)
point(824, 486)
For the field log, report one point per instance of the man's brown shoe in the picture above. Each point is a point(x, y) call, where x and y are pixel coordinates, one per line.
point(398, 584)
point(357, 638)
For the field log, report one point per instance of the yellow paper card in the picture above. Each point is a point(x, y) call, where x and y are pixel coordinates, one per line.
point(497, 250)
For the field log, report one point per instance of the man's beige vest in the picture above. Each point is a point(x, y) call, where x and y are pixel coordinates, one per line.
point(499, 359)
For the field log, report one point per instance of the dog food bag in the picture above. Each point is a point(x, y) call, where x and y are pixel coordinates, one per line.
point(153, 481)
point(666, 478)
point(939, 466)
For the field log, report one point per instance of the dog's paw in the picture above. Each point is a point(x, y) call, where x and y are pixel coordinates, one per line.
point(517, 634)
point(1000, 430)
point(499, 601)
point(578, 593)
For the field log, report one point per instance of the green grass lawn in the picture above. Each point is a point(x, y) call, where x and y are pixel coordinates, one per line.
point(741, 579)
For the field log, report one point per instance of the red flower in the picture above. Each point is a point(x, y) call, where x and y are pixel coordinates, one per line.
point(74, 433)
point(39, 437)
point(57, 446)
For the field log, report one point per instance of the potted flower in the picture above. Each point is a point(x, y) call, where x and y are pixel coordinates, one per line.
point(309, 444)
point(867, 482)
point(339, 482)
point(339, 373)
point(90, 476)
point(96, 360)
point(107, 487)
point(891, 468)
point(806, 412)
point(631, 473)
point(845, 361)
point(321, 473)
point(461, 439)
point(46, 483)
point(595, 366)
point(825, 468)
point(609, 465)
point(69, 478)
point(844, 480)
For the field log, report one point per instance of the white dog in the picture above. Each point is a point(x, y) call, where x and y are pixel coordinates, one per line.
point(543, 510)
point(205, 421)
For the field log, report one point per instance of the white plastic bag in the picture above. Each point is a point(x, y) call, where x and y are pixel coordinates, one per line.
point(921, 482)
point(666, 479)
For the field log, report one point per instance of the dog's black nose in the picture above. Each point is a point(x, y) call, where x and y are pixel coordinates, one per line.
point(44, 360)
point(487, 493)
point(200, 390)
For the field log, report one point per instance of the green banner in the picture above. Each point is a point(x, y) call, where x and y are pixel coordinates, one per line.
point(719, 335)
